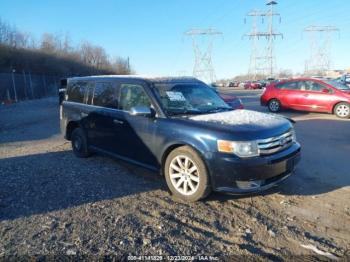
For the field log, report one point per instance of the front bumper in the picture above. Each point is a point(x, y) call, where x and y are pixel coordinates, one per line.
point(236, 175)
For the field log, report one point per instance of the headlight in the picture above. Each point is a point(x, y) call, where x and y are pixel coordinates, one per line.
point(241, 149)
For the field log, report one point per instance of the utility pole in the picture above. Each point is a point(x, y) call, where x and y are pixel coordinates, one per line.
point(25, 84)
point(320, 38)
point(263, 62)
point(14, 84)
point(202, 42)
point(128, 64)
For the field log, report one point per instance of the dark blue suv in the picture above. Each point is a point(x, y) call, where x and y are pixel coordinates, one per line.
point(182, 128)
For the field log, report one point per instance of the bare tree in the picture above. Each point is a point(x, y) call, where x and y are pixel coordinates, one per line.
point(122, 66)
point(54, 53)
point(48, 43)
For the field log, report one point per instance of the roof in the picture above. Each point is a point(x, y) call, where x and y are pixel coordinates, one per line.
point(155, 79)
point(304, 79)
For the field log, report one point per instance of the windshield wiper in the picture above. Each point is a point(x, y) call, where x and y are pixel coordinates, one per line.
point(218, 109)
point(186, 112)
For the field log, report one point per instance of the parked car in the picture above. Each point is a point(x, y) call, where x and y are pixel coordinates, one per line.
point(308, 94)
point(233, 101)
point(252, 85)
point(233, 84)
point(345, 79)
point(263, 83)
point(181, 128)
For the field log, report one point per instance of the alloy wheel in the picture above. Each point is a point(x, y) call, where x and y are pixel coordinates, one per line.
point(184, 175)
point(274, 105)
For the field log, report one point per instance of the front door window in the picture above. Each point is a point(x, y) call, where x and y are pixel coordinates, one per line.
point(132, 95)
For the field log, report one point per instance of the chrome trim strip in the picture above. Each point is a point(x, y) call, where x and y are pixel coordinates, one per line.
point(273, 144)
point(276, 149)
point(267, 140)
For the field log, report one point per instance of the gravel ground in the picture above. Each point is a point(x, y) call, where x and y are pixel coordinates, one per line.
point(52, 203)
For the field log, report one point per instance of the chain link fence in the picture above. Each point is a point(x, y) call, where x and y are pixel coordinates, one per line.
point(17, 86)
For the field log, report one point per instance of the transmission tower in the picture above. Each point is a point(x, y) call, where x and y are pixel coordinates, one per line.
point(263, 62)
point(255, 66)
point(320, 49)
point(202, 42)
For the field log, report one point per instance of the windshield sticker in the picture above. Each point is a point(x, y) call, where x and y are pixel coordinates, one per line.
point(175, 96)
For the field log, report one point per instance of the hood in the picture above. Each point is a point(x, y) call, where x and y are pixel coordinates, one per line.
point(245, 120)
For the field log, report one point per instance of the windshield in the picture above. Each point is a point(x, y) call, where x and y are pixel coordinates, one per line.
point(177, 99)
point(338, 85)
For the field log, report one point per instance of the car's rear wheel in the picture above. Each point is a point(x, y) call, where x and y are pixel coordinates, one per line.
point(274, 105)
point(342, 110)
point(186, 175)
point(79, 143)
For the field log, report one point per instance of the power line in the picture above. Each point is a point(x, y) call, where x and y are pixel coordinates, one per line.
point(202, 42)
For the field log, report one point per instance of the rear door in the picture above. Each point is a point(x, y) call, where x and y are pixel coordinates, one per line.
point(103, 98)
point(289, 94)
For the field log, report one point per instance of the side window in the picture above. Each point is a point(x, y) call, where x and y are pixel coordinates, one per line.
point(289, 86)
point(314, 86)
point(76, 92)
point(133, 95)
point(105, 94)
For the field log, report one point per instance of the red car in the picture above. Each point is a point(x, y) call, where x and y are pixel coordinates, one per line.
point(308, 94)
point(252, 85)
point(232, 101)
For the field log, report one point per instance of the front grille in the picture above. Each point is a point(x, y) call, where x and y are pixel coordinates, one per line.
point(275, 144)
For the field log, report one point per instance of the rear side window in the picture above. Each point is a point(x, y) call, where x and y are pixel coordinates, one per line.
point(105, 94)
point(133, 95)
point(76, 91)
point(289, 86)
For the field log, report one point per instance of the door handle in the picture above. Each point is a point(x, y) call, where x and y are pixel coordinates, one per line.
point(306, 95)
point(117, 121)
point(84, 114)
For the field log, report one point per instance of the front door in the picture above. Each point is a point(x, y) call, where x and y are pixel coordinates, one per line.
point(315, 97)
point(139, 135)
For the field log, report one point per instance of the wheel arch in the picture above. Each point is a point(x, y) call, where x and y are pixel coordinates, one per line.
point(70, 127)
point(337, 103)
point(277, 99)
point(171, 147)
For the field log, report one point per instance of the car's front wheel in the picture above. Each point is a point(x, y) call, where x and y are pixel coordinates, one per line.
point(186, 174)
point(79, 143)
point(342, 110)
point(274, 105)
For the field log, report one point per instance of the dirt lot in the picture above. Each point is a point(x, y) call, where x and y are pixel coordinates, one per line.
point(52, 203)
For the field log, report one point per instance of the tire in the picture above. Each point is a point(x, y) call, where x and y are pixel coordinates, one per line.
point(79, 143)
point(274, 105)
point(342, 110)
point(195, 184)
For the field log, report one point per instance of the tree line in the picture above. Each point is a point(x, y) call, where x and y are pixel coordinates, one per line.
point(54, 54)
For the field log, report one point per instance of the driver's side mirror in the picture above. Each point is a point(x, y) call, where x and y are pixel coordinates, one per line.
point(142, 111)
point(325, 90)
